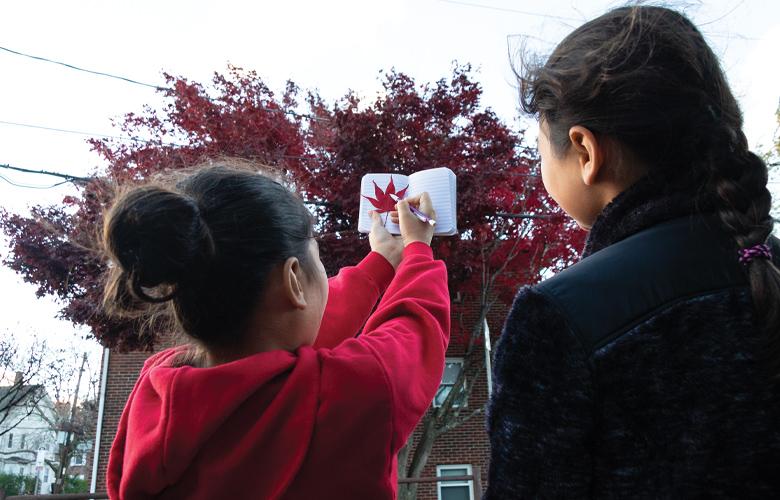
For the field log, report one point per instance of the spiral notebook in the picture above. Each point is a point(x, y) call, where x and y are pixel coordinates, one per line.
point(378, 192)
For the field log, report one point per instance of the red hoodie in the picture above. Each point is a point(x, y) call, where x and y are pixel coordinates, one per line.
point(323, 422)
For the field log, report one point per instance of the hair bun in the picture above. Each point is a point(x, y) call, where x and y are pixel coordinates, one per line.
point(157, 237)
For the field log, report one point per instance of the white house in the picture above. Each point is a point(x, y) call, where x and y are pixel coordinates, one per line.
point(27, 438)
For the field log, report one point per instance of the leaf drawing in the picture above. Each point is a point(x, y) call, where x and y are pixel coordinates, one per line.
point(384, 202)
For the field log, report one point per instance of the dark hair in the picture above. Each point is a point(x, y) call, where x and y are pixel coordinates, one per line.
point(201, 249)
point(645, 77)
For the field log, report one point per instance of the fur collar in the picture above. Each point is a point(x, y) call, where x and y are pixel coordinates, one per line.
point(643, 205)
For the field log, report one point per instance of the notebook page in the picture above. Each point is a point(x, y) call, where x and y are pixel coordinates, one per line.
point(440, 183)
point(367, 189)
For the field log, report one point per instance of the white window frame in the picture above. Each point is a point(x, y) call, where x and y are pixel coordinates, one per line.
point(454, 404)
point(440, 484)
point(81, 455)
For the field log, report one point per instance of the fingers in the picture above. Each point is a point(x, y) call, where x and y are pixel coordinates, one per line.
point(422, 202)
point(426, 205)
point(413, 226)
point(375, 218)
point(403, 210)
point(414, 200)
point(377, 224)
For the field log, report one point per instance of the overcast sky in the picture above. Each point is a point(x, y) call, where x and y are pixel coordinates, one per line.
point(329, 45)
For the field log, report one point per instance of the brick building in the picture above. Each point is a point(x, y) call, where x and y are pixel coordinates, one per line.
point(458, 452)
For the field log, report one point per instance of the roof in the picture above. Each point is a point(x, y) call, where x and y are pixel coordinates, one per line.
point(14, 396)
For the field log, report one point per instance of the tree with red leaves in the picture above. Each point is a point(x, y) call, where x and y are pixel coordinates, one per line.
point(511, 232)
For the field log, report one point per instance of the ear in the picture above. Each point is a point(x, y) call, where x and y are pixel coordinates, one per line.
point(589, 151)
point(292, 273)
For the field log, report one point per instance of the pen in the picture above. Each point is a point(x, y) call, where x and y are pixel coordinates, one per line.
point(417, 213)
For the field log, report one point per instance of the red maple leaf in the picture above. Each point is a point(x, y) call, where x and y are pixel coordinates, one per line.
point(384, 201)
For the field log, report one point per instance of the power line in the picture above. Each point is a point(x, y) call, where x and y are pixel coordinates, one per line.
point(724, 15)
point(572, 19)
point(71, 66)
point(28, 186)
point(68, 178)
point(149, 85)
point(79, 180)
point(88, 134)
point(504, 9)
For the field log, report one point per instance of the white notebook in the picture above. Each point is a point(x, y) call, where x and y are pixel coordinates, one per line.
point(439, 183)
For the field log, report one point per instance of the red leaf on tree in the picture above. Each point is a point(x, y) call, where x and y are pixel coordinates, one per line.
point(384, 201)
point(405, 129)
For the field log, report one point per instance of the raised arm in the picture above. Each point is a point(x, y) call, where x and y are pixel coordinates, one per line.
point(408, 335)
point(352, 295)
point(540, 414)
point(395, 365)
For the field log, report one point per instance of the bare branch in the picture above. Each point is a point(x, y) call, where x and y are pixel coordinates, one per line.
point(462, 420)
point(507, 215)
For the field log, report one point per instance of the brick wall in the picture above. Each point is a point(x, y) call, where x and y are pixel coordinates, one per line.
point(123, 370)
point(467, 444)
point(464, 445)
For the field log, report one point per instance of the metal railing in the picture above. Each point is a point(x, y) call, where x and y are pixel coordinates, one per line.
point(476, 476)
point(101, 495)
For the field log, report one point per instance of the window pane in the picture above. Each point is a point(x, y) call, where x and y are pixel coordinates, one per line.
point(453, 472)
point(441, 394)
point(455, 493)
point(451, 371)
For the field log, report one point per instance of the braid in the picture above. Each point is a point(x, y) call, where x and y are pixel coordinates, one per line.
point(739, 179)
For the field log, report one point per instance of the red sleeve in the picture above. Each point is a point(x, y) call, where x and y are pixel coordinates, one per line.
point(408, 335)
point(352, 295)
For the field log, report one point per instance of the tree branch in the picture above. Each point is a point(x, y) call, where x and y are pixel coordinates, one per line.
point(460, 421)
point(508, 215)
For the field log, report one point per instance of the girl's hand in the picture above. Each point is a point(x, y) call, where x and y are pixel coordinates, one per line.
point(382, 242)
point(412, 228)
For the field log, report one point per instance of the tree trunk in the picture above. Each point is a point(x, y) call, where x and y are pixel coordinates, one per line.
point(420, 458)
point(403, 467)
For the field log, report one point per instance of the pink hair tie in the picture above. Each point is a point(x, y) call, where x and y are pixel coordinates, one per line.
point(761, 251)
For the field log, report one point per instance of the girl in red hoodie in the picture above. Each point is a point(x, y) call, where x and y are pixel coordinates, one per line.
point(277, 396)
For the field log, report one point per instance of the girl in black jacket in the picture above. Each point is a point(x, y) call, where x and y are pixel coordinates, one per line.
point(650, 368)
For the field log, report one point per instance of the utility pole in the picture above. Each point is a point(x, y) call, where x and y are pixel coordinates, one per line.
point(65, 451)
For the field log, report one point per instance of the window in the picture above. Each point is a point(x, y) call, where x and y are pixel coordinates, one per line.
point(78, 458)
point(452, 368)
point(21, 445)
point(455, 490)
point(10, 440)
point(46, 474)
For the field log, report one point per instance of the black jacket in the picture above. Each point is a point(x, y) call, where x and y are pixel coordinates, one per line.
point(635, 373)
